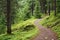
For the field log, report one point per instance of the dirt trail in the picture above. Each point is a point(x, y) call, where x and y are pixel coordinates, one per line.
point(45, 33)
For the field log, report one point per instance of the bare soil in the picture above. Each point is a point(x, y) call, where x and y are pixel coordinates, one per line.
point(44, 33)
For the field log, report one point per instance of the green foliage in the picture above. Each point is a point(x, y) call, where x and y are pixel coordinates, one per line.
point(2, 16)
point(26, 31)
point(37, 12)
point(58, 6)
point(20, 35)
point(22, 25)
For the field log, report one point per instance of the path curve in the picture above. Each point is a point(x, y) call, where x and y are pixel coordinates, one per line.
point(45, 33)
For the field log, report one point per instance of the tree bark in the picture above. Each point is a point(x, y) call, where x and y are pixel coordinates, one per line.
point(49, 8)
point(55, 7)
point(8, 17)
point(32, 6)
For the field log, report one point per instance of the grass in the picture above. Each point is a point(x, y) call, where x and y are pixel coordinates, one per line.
point(52, 22)
point(21, 31)
point(19, 35)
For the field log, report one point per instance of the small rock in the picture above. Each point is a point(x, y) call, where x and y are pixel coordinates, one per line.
point(46, 37)
point(52, 39)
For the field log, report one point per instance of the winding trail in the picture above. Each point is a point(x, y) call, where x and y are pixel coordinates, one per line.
point(45, 33)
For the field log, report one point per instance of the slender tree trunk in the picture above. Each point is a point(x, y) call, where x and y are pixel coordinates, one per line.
point(45, 7)
point(8, 17)
point(55, 7)
point(49, 8)
point(32, 6)
point(45, 10)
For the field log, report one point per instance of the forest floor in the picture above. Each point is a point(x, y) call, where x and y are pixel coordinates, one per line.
point(45, 33)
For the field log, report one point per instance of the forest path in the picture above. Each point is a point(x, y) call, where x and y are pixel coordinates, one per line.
point(44, 33)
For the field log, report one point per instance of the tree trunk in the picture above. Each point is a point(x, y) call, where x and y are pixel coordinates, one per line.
point(49, 8)
point(55, 7)
point(8, 17)
point(32, 7)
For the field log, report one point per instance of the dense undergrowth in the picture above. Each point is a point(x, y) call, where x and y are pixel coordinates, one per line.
point(52, 22)
point(21, 31)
